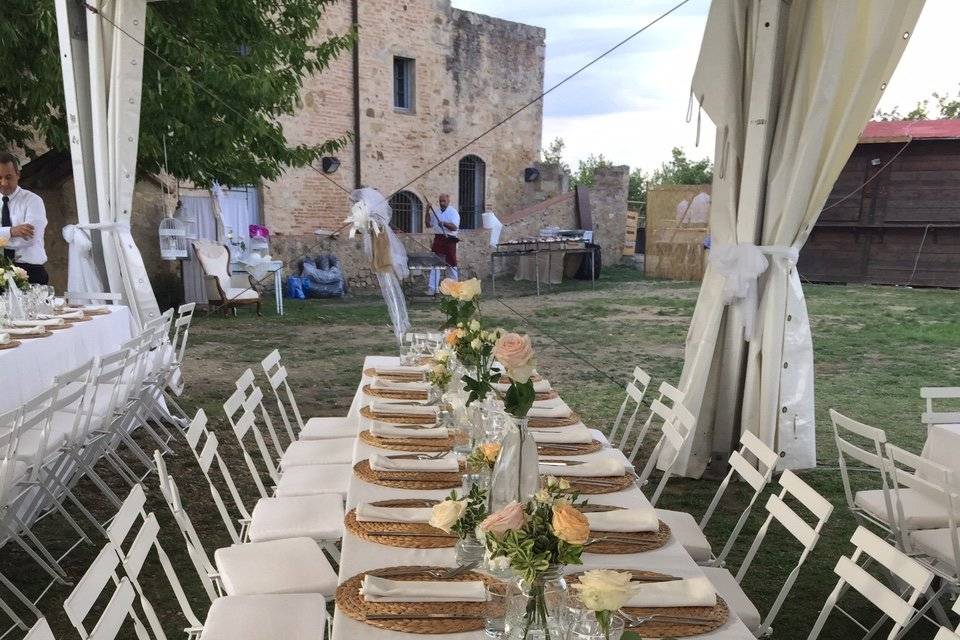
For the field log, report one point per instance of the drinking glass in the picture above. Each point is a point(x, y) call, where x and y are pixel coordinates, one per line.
point(495, 609)
point(587, 627)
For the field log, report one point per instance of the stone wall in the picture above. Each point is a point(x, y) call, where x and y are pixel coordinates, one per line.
point(677, 223)
point(470, 72)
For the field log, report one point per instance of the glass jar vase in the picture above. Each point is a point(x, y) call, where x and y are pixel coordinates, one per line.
point(535, 609)
point(516, 476)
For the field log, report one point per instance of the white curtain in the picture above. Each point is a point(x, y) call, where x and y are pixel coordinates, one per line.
point(239, 208)
point(200, 210)
point(82, 272)
point(779, 150)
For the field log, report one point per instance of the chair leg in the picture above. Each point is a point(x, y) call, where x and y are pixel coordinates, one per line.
point(259, 313)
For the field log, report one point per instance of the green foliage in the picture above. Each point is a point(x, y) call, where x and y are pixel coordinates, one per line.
point(458, 312)
point(587, 169)
point(235, 68)
point(944, 106)
point(473, 515)
point(679, 170)
point(519, 398)
point(553, 155)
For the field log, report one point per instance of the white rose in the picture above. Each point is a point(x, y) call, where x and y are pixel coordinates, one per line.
point(495, 565)
point(446, 514)
point(475, 344)
point(474, 325)
point(604, 590)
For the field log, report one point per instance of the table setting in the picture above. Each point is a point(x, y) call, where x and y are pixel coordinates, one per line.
point(482, 508)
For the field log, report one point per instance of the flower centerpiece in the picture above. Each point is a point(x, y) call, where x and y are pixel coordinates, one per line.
point(604, 592)
point(461, 301)
point(462, 516)
point(484, 456)
point(440, 373)
point(7, 268)
point(515, 353)
point(474, 347)
point(538, 538)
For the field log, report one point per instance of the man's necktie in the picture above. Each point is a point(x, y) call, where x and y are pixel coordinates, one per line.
point(5, 222)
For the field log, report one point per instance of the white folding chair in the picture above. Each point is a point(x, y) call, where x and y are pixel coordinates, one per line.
point(178, 344)
point(948, 632)
point(635, 391)
point(40, 631)
point(678, 425)
point(318, 516)
point(669, 396)
point(913, 579)
point(297, 565)
point(931, 416)
point(730, 587)
point(937, 549)
point(314, 428)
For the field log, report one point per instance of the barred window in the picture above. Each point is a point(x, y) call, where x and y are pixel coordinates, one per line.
point(407, 211)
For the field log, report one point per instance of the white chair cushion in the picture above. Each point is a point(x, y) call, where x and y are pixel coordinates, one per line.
point(684, 528)
point(726, 585)
point(319, 517)
point(161, 357)
point(292, 565)
point(919, 511)
point(313, 479)
point(238, 293)
point(936, 543)
point(326, 428)
point(301, 616)
point(307, 452)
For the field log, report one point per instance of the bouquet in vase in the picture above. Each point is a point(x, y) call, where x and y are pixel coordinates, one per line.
point(474, 348)
point(8, 269)
point(461, 301)
point(515, 353)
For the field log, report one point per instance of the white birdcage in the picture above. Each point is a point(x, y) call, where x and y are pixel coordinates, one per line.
point(173, 239)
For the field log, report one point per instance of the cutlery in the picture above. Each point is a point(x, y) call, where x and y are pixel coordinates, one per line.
point(419, 456)
point(561, 463)
point(421, 503)
point(439, 573)
point(593, 483)
point(623, 539)
point(636, 621)
point(424, 616)
point(441, 480)
point(414, 426)
point(464, 568)
point(409, 534)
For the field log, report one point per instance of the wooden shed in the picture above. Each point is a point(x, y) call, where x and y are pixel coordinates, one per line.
point(903, 227)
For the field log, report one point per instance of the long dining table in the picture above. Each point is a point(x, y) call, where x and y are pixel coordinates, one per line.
point(358, 555)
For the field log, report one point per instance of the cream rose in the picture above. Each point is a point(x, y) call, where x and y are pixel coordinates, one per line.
point(570, 525)
point(510, 517)
point(449, 287)
point(446, 514)
point(475, 325)
point(453, 336)
point(468, 290)
point(604, 590)
point(490, 451)
point(515, 352)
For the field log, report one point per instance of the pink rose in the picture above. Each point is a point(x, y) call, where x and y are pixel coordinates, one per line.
point(513, 350)
point(510, 517)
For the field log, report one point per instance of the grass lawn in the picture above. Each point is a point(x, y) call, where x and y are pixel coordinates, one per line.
point(874, 348)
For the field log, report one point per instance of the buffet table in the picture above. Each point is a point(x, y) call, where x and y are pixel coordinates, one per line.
point(541, 260)
point(30, 368)
point(358, 555)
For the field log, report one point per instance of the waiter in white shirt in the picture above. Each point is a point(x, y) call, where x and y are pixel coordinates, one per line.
point(445, 224)
point(24, 219)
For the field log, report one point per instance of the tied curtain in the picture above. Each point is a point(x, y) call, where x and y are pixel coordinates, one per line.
point(789, 87)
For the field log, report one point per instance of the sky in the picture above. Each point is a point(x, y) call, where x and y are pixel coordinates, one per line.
point(632, 105)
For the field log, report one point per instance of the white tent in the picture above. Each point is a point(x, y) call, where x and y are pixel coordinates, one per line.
point(789, 86)
point(102, 64)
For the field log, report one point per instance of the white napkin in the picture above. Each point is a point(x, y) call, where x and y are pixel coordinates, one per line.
point(560, 410)
point(49, 322)
point(65, 315)
point(690, 592)
point(4, 338)
point(24, 331)
point(389, 431)
point(389, 385)
point(95, 307)
point(539, 386)
point(400, 371)
point(624, 520)
point(376, 589)
point(443, 465)
point(607, 467)
point(371, 513)
point(394, 409)
point(577, 434)
point(552, 403)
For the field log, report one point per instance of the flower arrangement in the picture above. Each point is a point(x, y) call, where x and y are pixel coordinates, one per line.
point(461, 301)
point(461, 515)
point(440, 373)
point(8, 268)
point(604, 592)
point(515, 353)
point(484, 456)
point(474, 347)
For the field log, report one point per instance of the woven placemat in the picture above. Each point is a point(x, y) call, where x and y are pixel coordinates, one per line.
point(395, 394)
point(408, 444)
point(30, 336)
point(350, 602)
point(12, 344)
point(396, 418)
point(625, 541)
point(58, 327)
point(96, 312)
point(549, 394)
point(427, 537)
point(568, 449)
point(719, 613)
point(413, 376)
point(408, 479)
point(546, 423)
point(83, 318)
point(600, 484)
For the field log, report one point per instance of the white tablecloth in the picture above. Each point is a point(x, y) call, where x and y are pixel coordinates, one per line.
point(30, 368)
point(358, 555)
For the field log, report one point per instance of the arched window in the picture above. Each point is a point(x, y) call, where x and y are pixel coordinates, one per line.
point(407, 211)
point(472, 192)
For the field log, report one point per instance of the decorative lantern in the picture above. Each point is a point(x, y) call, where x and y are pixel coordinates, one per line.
point(173, 239)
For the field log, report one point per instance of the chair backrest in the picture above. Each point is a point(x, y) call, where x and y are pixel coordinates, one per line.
point(181, 329)
point(10, 422)
point(871, 548)
point(164, 321)
point(241, 410)
point(76, 396)
point(198, 555)
point(215, 262)
point(635, 391)
point(778, 510)
point(756, 476)
point(111, 371)
point(932, 481)
point(204, 445)
point(668, 395)
point(133, 534)
point(40, 631)
point(931, 416)
point(90, 589)
point(870, 454)
point(37, 413)
point(139, 350)
point(277, 376)
point(678, 425)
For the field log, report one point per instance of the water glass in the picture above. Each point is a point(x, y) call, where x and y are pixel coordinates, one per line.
point(587, 627)
point(496, 610)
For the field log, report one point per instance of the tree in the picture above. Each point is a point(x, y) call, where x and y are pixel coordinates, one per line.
point(229, 70)
point(945, 106)
point(586, 169)
point(553, 155)
point(679, 170)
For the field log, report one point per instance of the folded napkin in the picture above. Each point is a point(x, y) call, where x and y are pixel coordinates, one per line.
point(24, 331)
point(389, 431)
point(4, 338)
point(690, 592)
point(607, 467)
point(624, 520)
point(389, 385)
point(95, 308)
point(372, 513)
point(560, 410)
point(395, 409)
point(376, 589)
point(400, 371)
point(48, 322)
point(78, 313)
point(539, 386)
point(443, 465)
point(577, 434)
